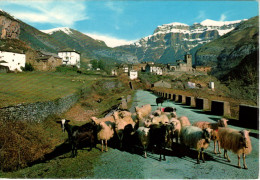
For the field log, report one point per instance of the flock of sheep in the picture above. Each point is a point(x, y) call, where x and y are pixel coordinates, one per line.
point(159, 129)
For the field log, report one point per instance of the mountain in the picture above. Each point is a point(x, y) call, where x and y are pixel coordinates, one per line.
point(15, 32)
point(229, 50)
point(170, 42)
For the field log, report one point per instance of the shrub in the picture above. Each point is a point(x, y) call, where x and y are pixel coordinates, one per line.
point(27, 67)
point(20, 144)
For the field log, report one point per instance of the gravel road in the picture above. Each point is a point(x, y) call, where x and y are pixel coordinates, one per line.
point(123, 165)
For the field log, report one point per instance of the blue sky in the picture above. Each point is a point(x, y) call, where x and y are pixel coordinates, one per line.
point(117, 21)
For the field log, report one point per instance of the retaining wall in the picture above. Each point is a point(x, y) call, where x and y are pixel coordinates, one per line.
point(221, 108)
point(249, 116)
point(37, 112)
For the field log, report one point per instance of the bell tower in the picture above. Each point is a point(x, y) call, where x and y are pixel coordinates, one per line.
point(188, 59)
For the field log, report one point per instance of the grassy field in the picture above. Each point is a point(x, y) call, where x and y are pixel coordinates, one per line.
point(40, 86)
point(22, 143)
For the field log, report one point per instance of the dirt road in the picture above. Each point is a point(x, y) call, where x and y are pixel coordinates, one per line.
point(122, 165)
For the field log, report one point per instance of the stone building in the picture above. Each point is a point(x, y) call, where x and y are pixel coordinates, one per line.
point(203, 68)
point(182, 65)
point(133, 74)
point(47, 63)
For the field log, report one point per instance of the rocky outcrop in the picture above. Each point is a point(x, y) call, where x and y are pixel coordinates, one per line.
point(10, 28)
point(170, 42)
point(225, 53)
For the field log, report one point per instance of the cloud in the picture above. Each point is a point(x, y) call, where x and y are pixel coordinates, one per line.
point(201, 16)
point(49, 11)
point(109, 40)
point(114, 7)
point(223, 17)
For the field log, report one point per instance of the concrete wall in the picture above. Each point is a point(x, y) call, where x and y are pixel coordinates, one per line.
point(202, 103)
point(221, 108)
point(249, 116)
point(37, 112)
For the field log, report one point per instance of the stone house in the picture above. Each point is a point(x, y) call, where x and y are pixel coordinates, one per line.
point(47, 63)
point(203, 68)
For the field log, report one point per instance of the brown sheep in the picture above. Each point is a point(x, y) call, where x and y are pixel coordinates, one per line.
point(184, 121)
point(144, 111)
point(237, 141)
point(214, 126)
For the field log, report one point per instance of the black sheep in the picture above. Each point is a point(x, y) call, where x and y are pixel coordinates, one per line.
point(157, 137)
point(159, 100)
point(86, 133)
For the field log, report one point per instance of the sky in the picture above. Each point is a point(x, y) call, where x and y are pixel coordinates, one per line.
point(120, 22)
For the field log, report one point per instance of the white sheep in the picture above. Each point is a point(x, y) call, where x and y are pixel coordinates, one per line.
point(176, 128)
point(144, 111)
point(122, 118)
point(143, 137)
point(157, 119)
point(196, 138)
point(237, 141)
point(106, 133)
point(184, 121)
point(214, 126)
point(99, 120)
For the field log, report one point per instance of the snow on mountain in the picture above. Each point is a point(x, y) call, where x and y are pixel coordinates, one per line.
point(209, 22)
point(64, 29)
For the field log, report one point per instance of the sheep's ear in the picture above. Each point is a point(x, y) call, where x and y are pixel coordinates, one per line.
point(58, 121)
point(67, 120)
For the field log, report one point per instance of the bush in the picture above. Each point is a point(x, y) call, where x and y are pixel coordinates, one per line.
point(20, 144)
point(65, 68)
point(27, 67)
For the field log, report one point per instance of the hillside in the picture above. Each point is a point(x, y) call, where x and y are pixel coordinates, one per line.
point(225, 53)
point(56, 40)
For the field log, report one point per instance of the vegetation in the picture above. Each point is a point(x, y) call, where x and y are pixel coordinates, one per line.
point(27, 67)
point(24, 144)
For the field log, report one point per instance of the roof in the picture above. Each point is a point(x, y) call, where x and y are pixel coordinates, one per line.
point(69, 50)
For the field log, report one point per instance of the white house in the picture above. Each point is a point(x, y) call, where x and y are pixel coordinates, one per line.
point(70, 58)
point(133, 74)
point(14, 61)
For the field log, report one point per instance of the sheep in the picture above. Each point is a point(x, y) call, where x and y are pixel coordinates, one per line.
point(122, 118)
point(196, 138)
point(157, 137)
point(106, 133)
point(184, 121)
point(159, 100)
point(107, 118)
point(77, 134)
point(214, 126)
point(176, 128)
point(143, 138)
point(142, 112)
point(163, 119)
point(237, 141)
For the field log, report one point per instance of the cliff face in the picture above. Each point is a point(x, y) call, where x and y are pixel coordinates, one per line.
point(227, 52)
point(170, 42)
point(9, 27)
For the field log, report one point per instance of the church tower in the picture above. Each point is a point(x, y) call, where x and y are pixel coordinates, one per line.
point(188, 59)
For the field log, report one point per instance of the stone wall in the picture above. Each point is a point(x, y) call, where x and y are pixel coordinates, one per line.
point(37, 112)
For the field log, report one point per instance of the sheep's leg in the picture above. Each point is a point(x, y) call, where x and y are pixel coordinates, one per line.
point(145, 154)
point(102, 145)
point(226, 155)
point(202, 155)
point(219, 147)
point(238, 158)
point(198, 158)
point(106, 145)
point(215, 145)
point(244, 160)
